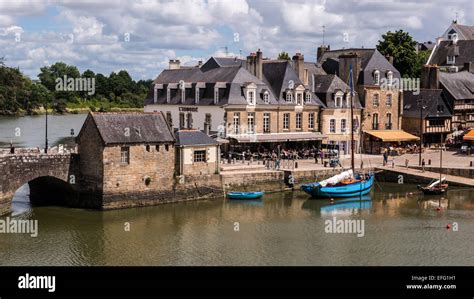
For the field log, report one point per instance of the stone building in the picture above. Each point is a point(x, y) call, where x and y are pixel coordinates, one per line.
point(254, 102)
point(376, 82)
point(126, 159)
point(335, 117)
point(196, 153)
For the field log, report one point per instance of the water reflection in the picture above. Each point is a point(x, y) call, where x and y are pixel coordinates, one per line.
point(346, 206)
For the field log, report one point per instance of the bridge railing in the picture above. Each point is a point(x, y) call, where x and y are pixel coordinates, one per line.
point(55, 150)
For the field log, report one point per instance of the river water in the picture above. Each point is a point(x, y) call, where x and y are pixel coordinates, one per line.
point(401, 227)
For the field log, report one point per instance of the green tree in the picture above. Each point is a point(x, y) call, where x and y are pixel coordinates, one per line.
point(401, 46)
point(49, 75)
point(421, 60)
point(284, 56)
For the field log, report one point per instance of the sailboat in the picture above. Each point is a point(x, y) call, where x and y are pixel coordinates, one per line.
point(347, 183)
point(438, 187)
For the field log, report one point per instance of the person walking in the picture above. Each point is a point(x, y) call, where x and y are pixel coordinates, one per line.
point(423, 165)
point(385, 157)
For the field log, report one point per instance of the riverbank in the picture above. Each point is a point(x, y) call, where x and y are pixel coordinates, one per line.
point(69, 110)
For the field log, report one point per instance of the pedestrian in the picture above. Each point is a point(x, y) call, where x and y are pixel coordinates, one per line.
point(12, 148)
point(423, 165)
point(385, 157)
point(406, 163)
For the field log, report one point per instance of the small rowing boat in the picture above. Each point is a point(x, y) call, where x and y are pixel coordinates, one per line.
point(245, 195)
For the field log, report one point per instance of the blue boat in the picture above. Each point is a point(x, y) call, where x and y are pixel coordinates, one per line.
point(348, 205)
point(359, 187)
point(245, 195)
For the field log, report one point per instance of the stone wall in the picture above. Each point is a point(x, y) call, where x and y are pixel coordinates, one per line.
point(462, 172)
point(382, 109)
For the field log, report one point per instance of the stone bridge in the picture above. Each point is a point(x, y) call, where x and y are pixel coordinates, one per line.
point(51, 177)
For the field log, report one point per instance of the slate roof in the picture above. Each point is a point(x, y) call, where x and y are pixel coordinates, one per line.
point(232, 73)
point(193, 137)
point(460, 85)
point(371, 60)
point(327, 85)
point(463, 50)
point(433, 99)
point(464, 31)
point(142, 128)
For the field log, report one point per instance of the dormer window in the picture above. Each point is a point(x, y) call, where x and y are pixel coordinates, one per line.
point(196, 97)
point(251, 97)
point(377, 77)
point(338, 99)
point(299, 98)
point(168, 94)
point(450, 59)
point(183, 95)
point(308, 97)
point(289, 97)
point(266, 97)
point(389, 77)
point(216, 95)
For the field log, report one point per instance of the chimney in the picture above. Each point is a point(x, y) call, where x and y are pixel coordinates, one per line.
point(298, 65)
point(321, 50)
point(259, 65)
point(430, 77)
point(251, 63)
point(469, 66)
point(199, 63)
point(345, 61)
point(174, 64)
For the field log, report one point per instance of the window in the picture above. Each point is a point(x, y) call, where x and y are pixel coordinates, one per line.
point(376, 100)
point(376, 77)
point(237, 122)
point(286, 121)
point(389, 77)
point(375, 121)
point(168, 95)
point(169, 118)
point(147, 147)
point(348, 99)
point(388, 126)
point(183, 94)
point(355, 124)
point(289, 97)
point(199, 156)
point(299, 118)
point(450, 60)
point(299, 98)
point(343, 125)
point(251, 122)
point(436, 122)
point(338, 101)
point(311, 120)
point(181, 120)
point(332, 125)
point(125, 155)
point(157, 147)
point(266, 97)
point(190, 120)
point(308, 97)
point(208, 120)
point(266, 122)
point(251, 97)
point(196, 97)
point(216, 95)
point(388, 100)
point(167, 147)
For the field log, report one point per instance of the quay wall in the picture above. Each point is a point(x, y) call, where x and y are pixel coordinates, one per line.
point(462, 172)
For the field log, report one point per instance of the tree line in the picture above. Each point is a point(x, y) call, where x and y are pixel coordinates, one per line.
point(19, 94)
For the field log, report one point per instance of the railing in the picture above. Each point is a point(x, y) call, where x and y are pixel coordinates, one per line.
point(55, 150)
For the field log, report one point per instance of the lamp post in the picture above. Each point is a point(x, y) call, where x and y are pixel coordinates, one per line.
point(46, 129)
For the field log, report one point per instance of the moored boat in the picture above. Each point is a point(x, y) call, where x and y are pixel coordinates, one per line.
point(335, 187)
point(245, 195)
point(436, 188)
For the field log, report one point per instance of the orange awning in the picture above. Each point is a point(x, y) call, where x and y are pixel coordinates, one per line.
point(392, 135)
point(469, 135)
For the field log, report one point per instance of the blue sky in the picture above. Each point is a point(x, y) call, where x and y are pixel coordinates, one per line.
point(90, 33)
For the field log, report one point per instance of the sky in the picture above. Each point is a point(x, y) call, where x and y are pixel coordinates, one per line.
point(141, 36)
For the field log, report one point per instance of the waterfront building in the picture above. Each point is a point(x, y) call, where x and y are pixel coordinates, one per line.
point(196, 154)
point(374, 78)
point(435, 115)
point(335, 117)
point(124, 156)
point(252, 103)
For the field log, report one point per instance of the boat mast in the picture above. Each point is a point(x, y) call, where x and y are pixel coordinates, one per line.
point(352, 120)
point(441, 159)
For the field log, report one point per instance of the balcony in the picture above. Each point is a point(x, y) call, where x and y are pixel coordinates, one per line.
point(388, 126)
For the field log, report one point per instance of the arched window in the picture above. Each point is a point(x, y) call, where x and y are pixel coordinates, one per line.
point(375, 121)
point(376, 77)
point(389, 77)
point(388, 125)
point(376, 100)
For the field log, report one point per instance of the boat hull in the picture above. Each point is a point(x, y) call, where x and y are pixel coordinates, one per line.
point(244, 195)
point(341, 191)
point(433, 190)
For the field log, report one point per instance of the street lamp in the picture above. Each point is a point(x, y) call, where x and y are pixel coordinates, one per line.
point(46, 129)
point(422, 107)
